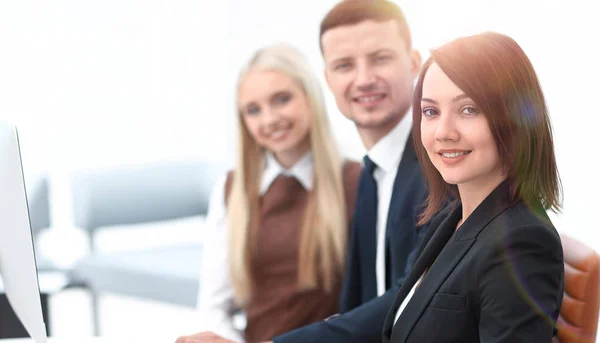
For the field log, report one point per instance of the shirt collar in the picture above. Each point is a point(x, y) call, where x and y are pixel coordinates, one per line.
point(387, 153)
point(301, 170)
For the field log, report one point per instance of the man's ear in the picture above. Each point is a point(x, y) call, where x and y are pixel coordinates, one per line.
point(415, 57)
point(326, 75)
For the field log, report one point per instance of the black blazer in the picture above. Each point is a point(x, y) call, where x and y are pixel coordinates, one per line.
point(402, 235)
point(498, 278)
point(363, 312)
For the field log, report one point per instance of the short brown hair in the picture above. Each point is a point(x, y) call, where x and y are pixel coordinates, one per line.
point(350, 12)
point(495, 73)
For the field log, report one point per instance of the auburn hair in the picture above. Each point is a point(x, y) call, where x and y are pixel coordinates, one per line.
point(497, 75)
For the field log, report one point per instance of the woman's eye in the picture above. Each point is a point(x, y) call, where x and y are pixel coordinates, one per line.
point(252, 110)
point(429, 112)
point(282, 99)
point(469, 110)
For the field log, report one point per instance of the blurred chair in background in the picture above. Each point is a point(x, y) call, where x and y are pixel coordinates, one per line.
point(39, 215)
point(39, 204)
point(105, 199)
point(578, 321)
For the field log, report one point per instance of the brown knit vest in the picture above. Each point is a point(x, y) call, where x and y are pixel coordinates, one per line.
point(277, 305)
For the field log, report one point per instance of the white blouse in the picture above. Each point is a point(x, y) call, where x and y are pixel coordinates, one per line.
point(407, 299)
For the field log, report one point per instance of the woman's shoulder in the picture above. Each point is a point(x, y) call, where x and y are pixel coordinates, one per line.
point(522, 215)
point(228, 177)
point(351, 170)
point(224, 184)
point(350, 175)
point(524, 226)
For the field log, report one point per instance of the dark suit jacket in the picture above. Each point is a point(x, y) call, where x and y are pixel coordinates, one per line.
point(360, 282)
point(364, 312)
point(498, 278)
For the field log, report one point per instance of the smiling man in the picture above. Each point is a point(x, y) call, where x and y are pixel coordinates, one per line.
point(370, 67)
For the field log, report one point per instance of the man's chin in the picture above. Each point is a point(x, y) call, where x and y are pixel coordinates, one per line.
point(376, 119)
point(372, 122)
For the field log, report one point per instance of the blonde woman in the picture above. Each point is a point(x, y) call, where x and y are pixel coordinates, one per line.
point(279, 221)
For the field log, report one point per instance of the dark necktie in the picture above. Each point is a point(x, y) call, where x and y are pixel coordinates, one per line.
point(369, 193)
point(368, 220)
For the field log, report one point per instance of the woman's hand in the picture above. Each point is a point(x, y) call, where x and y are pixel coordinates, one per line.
point(203, 337)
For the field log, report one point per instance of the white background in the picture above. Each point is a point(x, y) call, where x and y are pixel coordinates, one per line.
point(102, 83)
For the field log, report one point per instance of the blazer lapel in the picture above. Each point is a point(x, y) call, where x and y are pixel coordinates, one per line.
point(430, 251)
point(403, 176)
point(399, 204)
point(444, 251)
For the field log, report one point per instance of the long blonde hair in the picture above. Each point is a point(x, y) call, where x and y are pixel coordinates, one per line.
point(322, 249)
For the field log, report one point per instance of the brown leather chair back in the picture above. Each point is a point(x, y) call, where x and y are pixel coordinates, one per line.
point(578, 321)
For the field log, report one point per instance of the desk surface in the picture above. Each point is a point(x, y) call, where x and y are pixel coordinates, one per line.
point(87, 340)
point(62, 340)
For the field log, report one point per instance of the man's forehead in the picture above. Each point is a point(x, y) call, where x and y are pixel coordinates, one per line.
point(364, 37)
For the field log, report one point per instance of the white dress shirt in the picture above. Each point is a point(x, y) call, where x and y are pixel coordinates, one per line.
point(387, 154)
point(216, 297)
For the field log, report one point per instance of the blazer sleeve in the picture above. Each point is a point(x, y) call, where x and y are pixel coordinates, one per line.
point(520, 286)
point(216, 297)
point(362, 325)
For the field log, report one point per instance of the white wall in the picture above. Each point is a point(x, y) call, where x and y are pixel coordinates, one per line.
point(97, 83)
point(101, 83)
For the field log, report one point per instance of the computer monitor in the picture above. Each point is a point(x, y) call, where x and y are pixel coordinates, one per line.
point(17, 258)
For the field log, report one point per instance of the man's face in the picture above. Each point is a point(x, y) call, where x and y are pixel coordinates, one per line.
point(370, 72)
